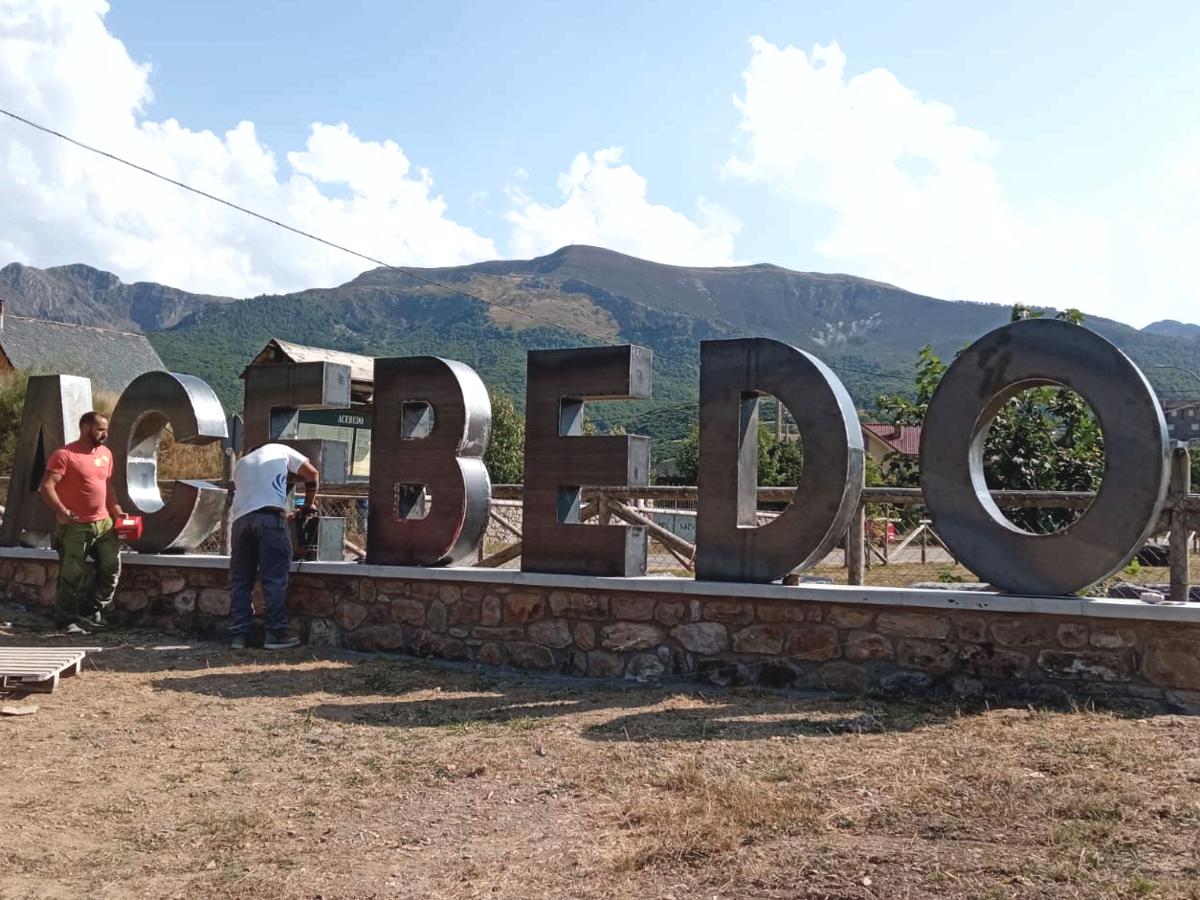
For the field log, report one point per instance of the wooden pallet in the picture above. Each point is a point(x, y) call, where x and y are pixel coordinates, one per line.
point(37, 668)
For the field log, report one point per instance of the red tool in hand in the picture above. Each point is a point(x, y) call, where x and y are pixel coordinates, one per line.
point(129, 528)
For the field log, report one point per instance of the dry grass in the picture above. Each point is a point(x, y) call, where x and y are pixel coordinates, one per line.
point(201, 773)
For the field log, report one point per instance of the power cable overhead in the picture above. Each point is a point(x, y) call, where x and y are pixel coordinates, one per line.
point(313, 237)
point(433, 282)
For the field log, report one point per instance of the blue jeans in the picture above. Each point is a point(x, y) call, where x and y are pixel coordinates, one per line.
point(260, 547)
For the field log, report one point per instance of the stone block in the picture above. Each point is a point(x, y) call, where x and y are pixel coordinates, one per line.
point(408, 611)
point(972, 629)
point(132, 601)
point(763, 639)
point(575, 663)
point(578, 605)
point(702, 637)
point(812, 643)
point(632, 607)
point(48, 594)
point(28, 594)
point(349, 615)
point(490, 655)
point(645, 667)
point(863, 645)
point(1113, 638)
point(554, 633)
point(623, 636)
point(376, 637)
point(473, 593)
point(905, 683)
point(841, 676)
point(602, 664)
point(449, 593)
point(213, 602)
point(388, 589)
point(307, 601)
point(775, 613)
point(436, 617)
point(428, 643)
point(928, 656)
point(463, 612)
point(1027, 632)
point(524, 606)
point(499, 633)
point(30, 572)
point(1173, 663)
point(1072, 635)
point(1093, 665)
point(585, 636)
point(851, 616)
point(728, 612)
point(171, 583)
point(367, 593)
point(667, 612)
point(915, 625)
point(779, 673)
point(184, 602)
point(993, 662)
point(323, 633)
point(422, 590)
point(491, 610)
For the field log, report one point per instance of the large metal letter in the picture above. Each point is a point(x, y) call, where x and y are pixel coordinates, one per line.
point(559, 462)
point(1001, 364)
point(730, 546)
point(274, 396)
point(49, 419)
point(430, 491)
point(153, 401)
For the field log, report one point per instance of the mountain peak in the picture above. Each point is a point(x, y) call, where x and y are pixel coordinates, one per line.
point(1172, 328)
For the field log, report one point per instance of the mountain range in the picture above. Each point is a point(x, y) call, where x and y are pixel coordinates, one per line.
point(488, 314)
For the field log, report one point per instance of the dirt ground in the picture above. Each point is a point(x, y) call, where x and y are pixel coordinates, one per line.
point(198, 772)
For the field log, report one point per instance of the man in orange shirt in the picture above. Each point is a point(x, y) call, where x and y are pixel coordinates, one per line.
point(77, 487)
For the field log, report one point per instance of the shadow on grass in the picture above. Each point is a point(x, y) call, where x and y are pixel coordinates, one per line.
point(410, 693)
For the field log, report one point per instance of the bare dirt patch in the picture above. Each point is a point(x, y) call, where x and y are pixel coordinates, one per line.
point(202, 773)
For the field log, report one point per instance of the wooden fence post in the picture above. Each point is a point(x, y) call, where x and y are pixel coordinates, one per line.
point(1181, 485)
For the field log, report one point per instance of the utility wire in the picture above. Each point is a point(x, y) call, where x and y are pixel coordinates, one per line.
point(328, 243)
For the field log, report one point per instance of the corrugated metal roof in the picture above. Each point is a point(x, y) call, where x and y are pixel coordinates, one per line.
point(362, 368)
point(905, 439)
point(111, 359)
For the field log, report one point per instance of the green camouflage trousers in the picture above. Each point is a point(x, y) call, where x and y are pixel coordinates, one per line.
point(75, 542)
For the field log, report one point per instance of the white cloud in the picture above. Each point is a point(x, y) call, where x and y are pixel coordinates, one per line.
point(916, 197)
point(60, 66)
point(604, 203)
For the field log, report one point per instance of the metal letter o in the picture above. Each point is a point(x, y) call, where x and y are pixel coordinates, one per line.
point(997, 367)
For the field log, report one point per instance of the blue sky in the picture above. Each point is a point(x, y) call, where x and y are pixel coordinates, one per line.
point(1039, 152)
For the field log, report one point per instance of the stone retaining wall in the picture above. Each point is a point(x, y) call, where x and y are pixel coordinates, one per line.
point(859, 640)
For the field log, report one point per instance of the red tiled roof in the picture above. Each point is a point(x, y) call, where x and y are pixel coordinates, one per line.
point(905, 439)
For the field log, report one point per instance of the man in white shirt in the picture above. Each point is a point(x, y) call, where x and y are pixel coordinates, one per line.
point(261, 538)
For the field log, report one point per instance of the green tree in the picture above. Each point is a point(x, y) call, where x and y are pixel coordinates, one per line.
point(1045, 438)
point(779, 462)
point(12, 402)
point(505, 455)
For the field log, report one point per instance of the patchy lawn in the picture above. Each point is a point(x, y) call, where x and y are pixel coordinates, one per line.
point(204, 773)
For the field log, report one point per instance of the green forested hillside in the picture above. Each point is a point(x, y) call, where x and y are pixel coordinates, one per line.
point(866, 331)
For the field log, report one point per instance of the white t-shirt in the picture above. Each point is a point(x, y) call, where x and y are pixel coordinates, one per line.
point(260, 478)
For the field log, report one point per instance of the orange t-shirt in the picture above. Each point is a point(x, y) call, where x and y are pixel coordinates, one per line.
point(84, 486)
